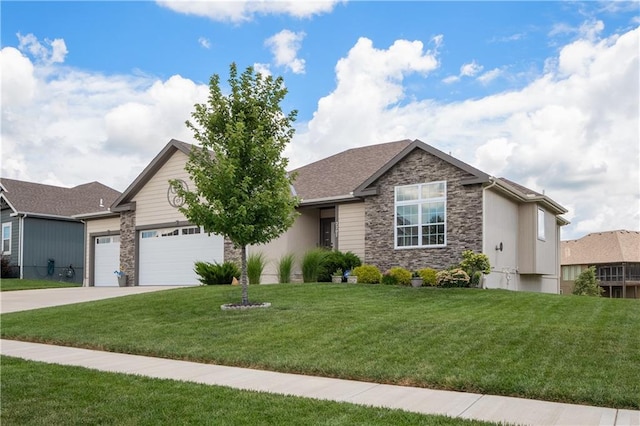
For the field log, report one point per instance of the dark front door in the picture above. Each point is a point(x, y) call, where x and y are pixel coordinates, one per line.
point(327, 232)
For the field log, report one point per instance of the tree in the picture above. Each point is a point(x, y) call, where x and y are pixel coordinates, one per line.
point(243, 190)
point(586, 283)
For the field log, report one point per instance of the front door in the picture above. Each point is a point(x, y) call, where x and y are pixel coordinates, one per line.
point(328, 232)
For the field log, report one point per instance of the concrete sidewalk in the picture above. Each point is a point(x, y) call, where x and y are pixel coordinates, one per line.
point(24, 300)
point(426, 401)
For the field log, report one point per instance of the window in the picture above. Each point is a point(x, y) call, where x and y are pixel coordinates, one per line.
point(541, 225)
point(171, 233)
point(421, 215)
point(191, 231)
point(571, 272)
point(149, 234)
point(6, 238)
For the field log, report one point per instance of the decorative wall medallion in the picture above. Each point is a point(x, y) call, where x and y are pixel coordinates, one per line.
point(174, 199)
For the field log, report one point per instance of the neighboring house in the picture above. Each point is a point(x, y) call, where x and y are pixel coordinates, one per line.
point(401, 203)
point(616, 257)
point(40, 237)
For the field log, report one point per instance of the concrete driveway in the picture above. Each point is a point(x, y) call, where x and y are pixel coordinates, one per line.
point(24, 300)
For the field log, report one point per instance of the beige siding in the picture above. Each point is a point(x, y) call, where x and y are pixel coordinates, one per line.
point(109, 225)
point(500, 227)
point(152, 205)
point(302, 236)
point(351, 228)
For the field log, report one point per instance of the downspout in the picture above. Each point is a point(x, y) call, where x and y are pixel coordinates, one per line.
point(85, 269)
point(21, 242)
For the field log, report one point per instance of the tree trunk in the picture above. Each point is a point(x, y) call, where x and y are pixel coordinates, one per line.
point(243, 276)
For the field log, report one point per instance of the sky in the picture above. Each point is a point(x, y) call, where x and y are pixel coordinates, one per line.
point(543, 93)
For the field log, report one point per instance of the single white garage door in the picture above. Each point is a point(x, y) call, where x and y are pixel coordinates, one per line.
point(107, 261)
point(167, 256)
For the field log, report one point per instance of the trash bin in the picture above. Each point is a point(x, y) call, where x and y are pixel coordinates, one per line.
point(122, 280)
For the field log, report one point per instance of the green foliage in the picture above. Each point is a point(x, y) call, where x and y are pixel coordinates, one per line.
point(242, 188)
point(428, 276)
point(586, 283)
point(285, 267)
point(335, 260)
point(367, 274)
point(475, 265)
point(455, 277)
point(216, 273)
point(388, 279)
point(255, 265)
point(313, 264)
point(401, 275)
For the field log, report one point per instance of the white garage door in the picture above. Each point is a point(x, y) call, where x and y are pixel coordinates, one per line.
point(107, 260)
point(167, 256)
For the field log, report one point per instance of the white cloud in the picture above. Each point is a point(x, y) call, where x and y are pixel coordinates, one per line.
point(242, 11)
point(470, 69)
point(262, 68)
point(284, 46)
point(451, 79)
point(65, 126)
point(40, 52)
point(573, 131)
point(204, 42)
point(489, 76)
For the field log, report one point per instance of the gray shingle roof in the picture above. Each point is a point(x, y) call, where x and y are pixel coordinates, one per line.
point(602, 247)
point(340, 174)
point(49, 200)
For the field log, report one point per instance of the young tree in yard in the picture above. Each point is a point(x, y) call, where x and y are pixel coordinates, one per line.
point(586, 283)
point(242, 189)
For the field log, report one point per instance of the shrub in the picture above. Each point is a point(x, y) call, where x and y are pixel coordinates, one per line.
point(313, 264)
point(255, 265)
point(8, 270)
point(367, 274)
point(285, 267)
point(338, 260)
point(475, 265)
point(452, 278)
point(586, 283)
point(428, 276)
point(388, 279)
point(401, 275)
point(216, 273)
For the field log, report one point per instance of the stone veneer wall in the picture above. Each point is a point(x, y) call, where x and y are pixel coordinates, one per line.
point(128, 245)
point(231, 253)
point(464, 215)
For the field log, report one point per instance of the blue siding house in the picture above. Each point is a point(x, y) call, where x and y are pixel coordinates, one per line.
point(41, 239)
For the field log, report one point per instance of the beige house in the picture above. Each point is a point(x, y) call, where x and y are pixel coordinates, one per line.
point(616, 257)
point(401, 203)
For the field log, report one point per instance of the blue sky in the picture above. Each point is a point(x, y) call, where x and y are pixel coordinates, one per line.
point(543, 93)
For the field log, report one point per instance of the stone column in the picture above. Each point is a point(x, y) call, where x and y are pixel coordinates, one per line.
point(128, 245)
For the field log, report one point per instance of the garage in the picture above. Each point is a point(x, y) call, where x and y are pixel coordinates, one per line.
point(167, 256)
point(107, 260)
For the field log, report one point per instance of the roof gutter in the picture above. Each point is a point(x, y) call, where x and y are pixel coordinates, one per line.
point(325, 200)
point(105, 213)
point(45, 216)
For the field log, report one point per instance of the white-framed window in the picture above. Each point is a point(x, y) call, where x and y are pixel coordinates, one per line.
point(541, 235)
point(191, 231)
point(6, 238)
point(108, 240)
point(421, 215)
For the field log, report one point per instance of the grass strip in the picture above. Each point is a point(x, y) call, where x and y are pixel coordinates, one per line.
point(35, 393)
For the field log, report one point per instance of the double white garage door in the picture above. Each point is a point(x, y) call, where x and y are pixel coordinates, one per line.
point(166, 256)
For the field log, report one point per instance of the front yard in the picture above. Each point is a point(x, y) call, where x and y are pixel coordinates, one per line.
point(10, 284)
point(570, 349)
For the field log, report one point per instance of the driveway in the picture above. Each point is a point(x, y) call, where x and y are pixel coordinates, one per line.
point(24, 300)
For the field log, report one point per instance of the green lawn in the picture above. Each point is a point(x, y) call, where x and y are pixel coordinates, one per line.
point(10, 284)
point(559, 348)
point(39, 394)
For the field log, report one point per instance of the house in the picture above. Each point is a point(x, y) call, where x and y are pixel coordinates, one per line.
point(40, 237)
point(400, 203)
point(615, 255)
